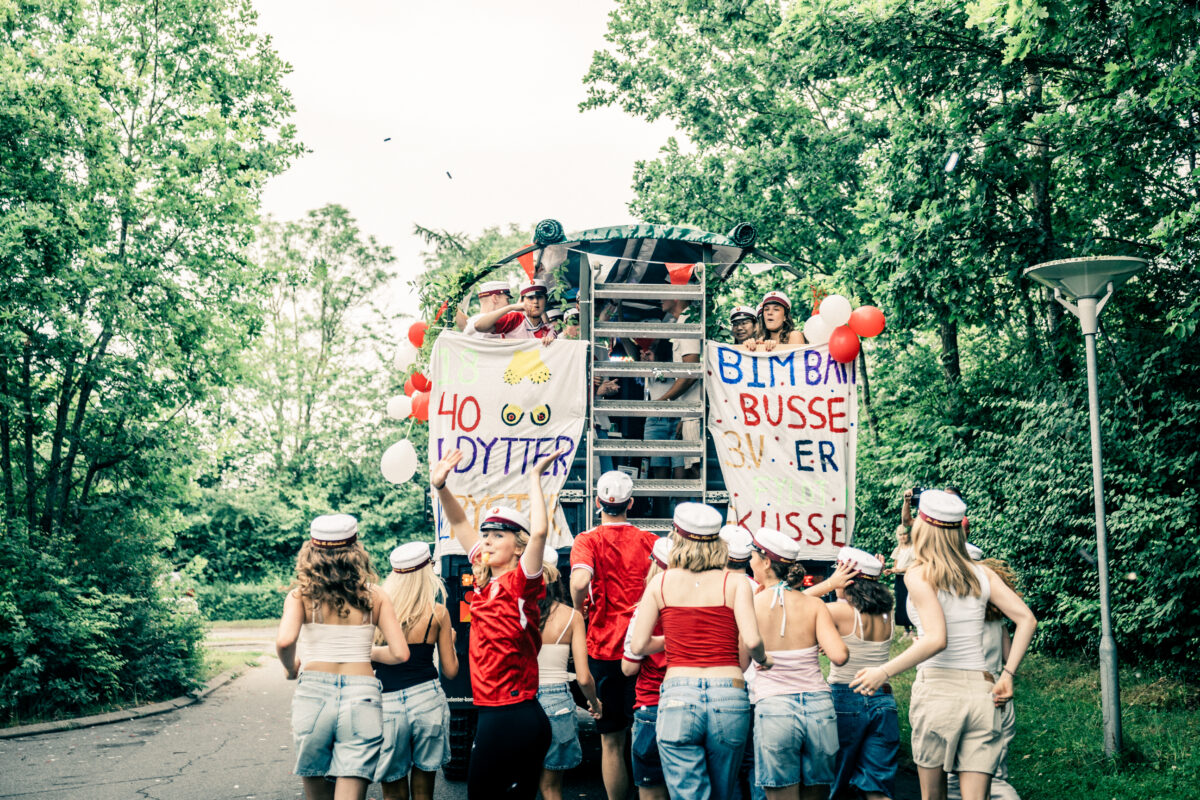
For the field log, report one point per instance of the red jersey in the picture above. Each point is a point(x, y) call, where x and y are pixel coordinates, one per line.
point(505, 639)
point(654, 669)
point(514, 325)
point(618, 556)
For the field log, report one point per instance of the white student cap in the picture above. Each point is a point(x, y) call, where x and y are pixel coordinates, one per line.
point(550, 556)
point(570, 312)
point(864, 562)
point(776, 546)
point(941, 509)
point(697, 521)
point(494, 287)
point(777, 297)
point(554, 313)
point(741, 311)
point(334, 530)
point(614, 488)
point(410, 557)
point(534, 286)
point(738, 540)
point(505, 519)
point(974, 552)
point(661, 552)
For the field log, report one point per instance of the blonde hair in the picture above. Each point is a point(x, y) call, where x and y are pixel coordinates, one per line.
point(413, 595)
point(340, 577)
point(697, 556)
point(904, 530)
point(654, 571)
point(483, 572)
point(942, 555)
point(550, 571)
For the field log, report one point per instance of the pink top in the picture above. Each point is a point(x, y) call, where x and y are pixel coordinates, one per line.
point(795, 671)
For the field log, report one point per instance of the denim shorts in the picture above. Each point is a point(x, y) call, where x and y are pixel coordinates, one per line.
point(657, 429)
point(565, 752)
point(416, 731)
point(869, 738)
point(647, 766)
point(702, 727)
point(337, 725)
point(795, 740)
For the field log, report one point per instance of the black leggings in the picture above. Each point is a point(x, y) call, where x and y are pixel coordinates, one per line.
point(510, 747)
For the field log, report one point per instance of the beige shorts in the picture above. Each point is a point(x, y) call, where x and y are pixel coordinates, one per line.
point(688, 429)
point(955, 722)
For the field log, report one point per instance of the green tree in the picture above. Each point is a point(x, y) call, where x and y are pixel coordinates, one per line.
point(135, 141)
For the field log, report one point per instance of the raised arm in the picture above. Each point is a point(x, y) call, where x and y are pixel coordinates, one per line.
point(1015, 609)
point(466, 535)
point(843, 576)
point(933, 624)
point(539, 524)
point(484, 323)
point(906, 518)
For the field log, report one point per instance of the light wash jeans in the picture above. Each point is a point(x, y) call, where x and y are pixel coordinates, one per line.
point(702, 728)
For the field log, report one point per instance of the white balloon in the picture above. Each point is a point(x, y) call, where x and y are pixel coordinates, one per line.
point(406, 356)
point(399, 462)
point(835, 311)
point(816, 331)
point(399, 407)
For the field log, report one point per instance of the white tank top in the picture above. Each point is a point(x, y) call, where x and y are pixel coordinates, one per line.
point(863, 654)
point(964, 627)
point(337, 644)
point(552, 658)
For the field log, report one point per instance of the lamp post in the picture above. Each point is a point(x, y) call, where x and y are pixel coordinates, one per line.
point(1090, 282)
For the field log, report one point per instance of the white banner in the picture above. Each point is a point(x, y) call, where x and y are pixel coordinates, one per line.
point(507, 404)
point(785, 424)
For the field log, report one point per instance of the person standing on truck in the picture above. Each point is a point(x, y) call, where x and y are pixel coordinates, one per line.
point(608, 569)
point(512, 734)
point(775, 325)
point(524, 320)
point(743, 322)
point(416, 717)
point(492, 295)
point(334, 608)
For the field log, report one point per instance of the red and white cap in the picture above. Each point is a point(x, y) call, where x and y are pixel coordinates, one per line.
point(333, 530)
point(868, 565)
point(738, 540)
point(534, 286)
point(410, 557)
point(504, 518)
point(777, 297)
point(741, 311)
point(697, 521)
point(554, 313)
point(661, 553)
point(776, 546)
point(494, 287)
point(614, 488)
point(941, 509)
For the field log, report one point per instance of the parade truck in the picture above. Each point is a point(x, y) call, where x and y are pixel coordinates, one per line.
point(775, 438)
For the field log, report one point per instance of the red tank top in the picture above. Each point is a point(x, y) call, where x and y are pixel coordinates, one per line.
point(700, 636)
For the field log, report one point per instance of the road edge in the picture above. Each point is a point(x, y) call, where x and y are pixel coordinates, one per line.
point(122, 715)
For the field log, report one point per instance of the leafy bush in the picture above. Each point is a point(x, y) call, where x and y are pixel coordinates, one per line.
point(233, 601)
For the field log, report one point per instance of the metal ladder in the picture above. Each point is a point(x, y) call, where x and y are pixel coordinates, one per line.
point(593, 329)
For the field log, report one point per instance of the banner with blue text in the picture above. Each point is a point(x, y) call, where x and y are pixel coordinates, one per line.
point(785, 425)
point(507, 404)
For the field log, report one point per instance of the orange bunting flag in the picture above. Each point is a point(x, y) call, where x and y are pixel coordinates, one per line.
point(680, 273)
point(526, 262)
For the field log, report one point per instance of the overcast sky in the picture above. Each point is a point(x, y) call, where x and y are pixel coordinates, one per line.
point(486, 90)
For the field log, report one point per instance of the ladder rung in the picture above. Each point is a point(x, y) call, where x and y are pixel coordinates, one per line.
point(651, 330)
point(571, 495)
point(668, 488)
point(652, 524)
point(718, 496)
point(648, 369)
point(647, 447)
point(645, 291)
point(649, 408)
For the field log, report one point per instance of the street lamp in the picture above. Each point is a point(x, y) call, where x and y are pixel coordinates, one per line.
point(1090, 282)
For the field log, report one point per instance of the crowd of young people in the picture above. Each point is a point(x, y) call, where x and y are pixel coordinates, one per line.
point(715, 670)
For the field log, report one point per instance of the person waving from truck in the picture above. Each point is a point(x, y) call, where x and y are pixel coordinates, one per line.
point(506, 553)
point(608, 567)
point(775, 325)
point(524, 320)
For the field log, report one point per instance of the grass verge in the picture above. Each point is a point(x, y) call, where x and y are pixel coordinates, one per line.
point(218, 661)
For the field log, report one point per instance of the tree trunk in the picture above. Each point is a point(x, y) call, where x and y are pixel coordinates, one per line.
point(10, 499)
point(951, 368)
point(866, 384)
point(53, 469)
point(27, 403)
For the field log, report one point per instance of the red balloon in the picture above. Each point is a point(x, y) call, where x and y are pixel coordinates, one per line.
point(843, 345)
point(416, 333)
point(410, 387)
point(421, 382)
point(866, 321)
point(421, 406)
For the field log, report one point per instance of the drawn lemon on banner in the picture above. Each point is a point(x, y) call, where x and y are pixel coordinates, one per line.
point(511, 414)
point(527, 364)
point(540, 415)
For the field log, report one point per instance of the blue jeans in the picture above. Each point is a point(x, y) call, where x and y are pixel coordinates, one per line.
point(337, 725)
point(795, 740)
point(661, 429)
point(606, 462)
point(702, 728)
point(868, 739)
point(565, 752)
point(416, 731)
point(647, 765)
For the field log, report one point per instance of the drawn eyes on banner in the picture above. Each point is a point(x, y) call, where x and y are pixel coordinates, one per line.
point(511, 414)
point(540, 415)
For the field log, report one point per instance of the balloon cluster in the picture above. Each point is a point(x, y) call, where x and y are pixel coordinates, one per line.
point(838, 326)
point(399, 461)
